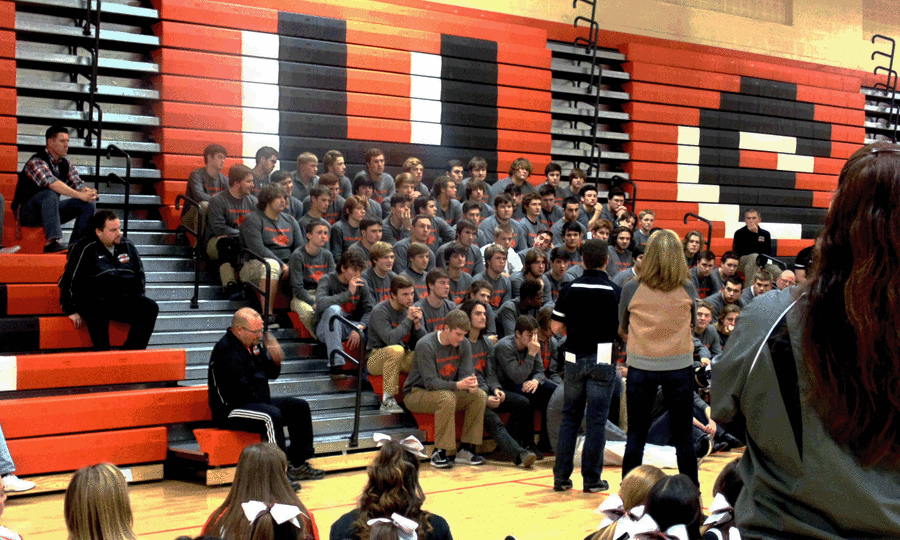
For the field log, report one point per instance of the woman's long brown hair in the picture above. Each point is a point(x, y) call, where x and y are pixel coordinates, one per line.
point(852, 335)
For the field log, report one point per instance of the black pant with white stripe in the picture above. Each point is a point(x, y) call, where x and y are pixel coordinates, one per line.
point(269, 420)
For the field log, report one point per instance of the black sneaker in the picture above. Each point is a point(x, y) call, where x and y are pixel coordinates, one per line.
point(439, 459)
point(305, 471)
point(603, 485)
point(562, 485)
point(537, 453)
point(295, 485)
point(55, 247)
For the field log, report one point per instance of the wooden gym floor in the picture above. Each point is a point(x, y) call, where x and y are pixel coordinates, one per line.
point(488, 502)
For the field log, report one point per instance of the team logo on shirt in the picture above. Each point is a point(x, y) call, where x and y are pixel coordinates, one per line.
point(124, 258)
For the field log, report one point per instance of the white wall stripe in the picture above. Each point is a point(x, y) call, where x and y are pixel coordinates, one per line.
point(264, 121)
point(689, 135)
point(784, 231)
point(767, 143)
point(698, 193)
point(9, 373)
point(805, 164)
point(263, 96)
point(425, 133)
point(688, 174)
point(689, 155)
point(253, 142)
point(729, 213)
point(259, 44)
point(425, 64)
point(425, 110)
point(259, 70)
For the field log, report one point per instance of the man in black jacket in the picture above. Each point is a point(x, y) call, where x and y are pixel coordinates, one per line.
point(238, 378)
point(104, 281)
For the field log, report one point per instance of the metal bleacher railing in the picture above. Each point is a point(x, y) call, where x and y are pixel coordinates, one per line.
point(890, 87)
point(197, 252)
point(354, 436)
point(590, 44)
point(115, 177)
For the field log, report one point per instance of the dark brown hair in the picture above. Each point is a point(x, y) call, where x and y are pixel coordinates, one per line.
point(854, 293)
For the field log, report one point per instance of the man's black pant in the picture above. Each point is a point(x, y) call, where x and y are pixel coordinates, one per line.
point(269, 420)
point(538, 400)
point(138, 311)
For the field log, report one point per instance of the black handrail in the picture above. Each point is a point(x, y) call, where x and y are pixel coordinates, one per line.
point(634, 199)
point(126, 180)
point(198, 245)
point(708, 224)
point(891, 85)
point(354, 436)
point(95, 58)
point(127, 183)
point(265, 293)
point(596, 157)
point(99, 130)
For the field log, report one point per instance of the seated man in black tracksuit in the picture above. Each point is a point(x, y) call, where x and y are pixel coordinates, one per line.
point(238, 379)
point(104, 281)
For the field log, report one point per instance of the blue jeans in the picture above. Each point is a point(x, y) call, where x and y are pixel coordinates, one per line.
point(6, 461)
point(585, 381)
point(677, 388)
point(48, 210)
point(333, 338)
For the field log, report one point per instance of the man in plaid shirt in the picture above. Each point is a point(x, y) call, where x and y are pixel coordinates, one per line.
point(46, 176)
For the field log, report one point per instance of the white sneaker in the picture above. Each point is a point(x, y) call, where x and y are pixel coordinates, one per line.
point(466, 457)
point(390, 405)
point(12, 482)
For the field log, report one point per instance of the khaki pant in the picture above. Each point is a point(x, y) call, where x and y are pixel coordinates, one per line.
point(389, 362)
point(226, 270)
point(253, 271)
point(306, 313)
point(444, 404)
point(190, 217)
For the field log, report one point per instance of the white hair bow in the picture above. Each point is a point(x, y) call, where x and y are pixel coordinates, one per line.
point(647, 529)
point(410, 444)
point(613, 509)
point(719, 511)
point(406, 528)
point(281, 513)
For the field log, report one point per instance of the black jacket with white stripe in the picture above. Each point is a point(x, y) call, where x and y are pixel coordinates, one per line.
point(238, 376)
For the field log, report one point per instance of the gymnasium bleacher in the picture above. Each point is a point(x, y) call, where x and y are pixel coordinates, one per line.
point(689, 129)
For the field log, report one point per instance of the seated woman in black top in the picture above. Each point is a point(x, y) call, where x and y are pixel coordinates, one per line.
point(393, 487)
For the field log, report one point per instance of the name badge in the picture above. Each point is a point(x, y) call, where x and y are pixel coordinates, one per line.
point(604, 353)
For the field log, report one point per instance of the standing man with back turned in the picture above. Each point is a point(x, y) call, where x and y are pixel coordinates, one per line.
point(587, 309)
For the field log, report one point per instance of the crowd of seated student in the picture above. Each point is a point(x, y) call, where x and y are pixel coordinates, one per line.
point(461, 240)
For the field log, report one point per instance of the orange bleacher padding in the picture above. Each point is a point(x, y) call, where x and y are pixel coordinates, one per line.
point(192, 116)
point(60, 333)
point(170, 216)
point(299, 326)
point(671, 211)
point(391, 37)
point(224, 446)
point(70, 452)
point(518, 141)
point(9, 127)
point(174, 140)
point(848, 134)
point(721, 245)
point(657, 191)
point(169, 190)
point(752, 159)
point(198, 64)
point(644, 151)
point(58, 415)
point(8, 95)
point(689, 78)
point(96, 368)
point(519, 77)
point(377, 382)
point(363, 129)
point(816, 182)
point(32, 241)
point(8, 47)
point(509, 119)
point(226, 15)
point(837, 115)
point(653, 172)
point(849, 100)
point(31, 268)
point(842, 150)
point(196, 37)
point(681, 227)
point(26, 299)
point(362, 57)
point(658, 133)
point(388, 84)
point(790, 248)
point(822, 199)
point(824, 165)
point(8, 16)
point(673, 95)
point(186, 89)
point(652, 113)
point(516, 99)
point(9, 158)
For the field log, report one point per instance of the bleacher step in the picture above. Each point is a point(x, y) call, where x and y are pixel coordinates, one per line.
point(70, 35)
point(110, 12)
point(105, 93)
point(566, 133)
point(578, 51)
point(196, 374)
point(557, 151)
point(564, 89)
point(184, 306)
point(68, 63)
point(584, 111)
point(77, 145)
point(565, 66)
point(192, 321)
point(77, 118)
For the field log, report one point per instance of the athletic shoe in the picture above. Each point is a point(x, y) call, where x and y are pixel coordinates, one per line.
point(466, 457)
point(439, 459)
point(534, 450)
point(525, 460)
point(12, 483)
point(55, 247)
point(562, 485)
point(603, 485)
point(296, 485)
point(10, 250)
point(305, 471)
point(390, 405)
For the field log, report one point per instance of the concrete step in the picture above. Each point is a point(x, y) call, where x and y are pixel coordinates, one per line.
point(568, 50)
point(68, 63)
